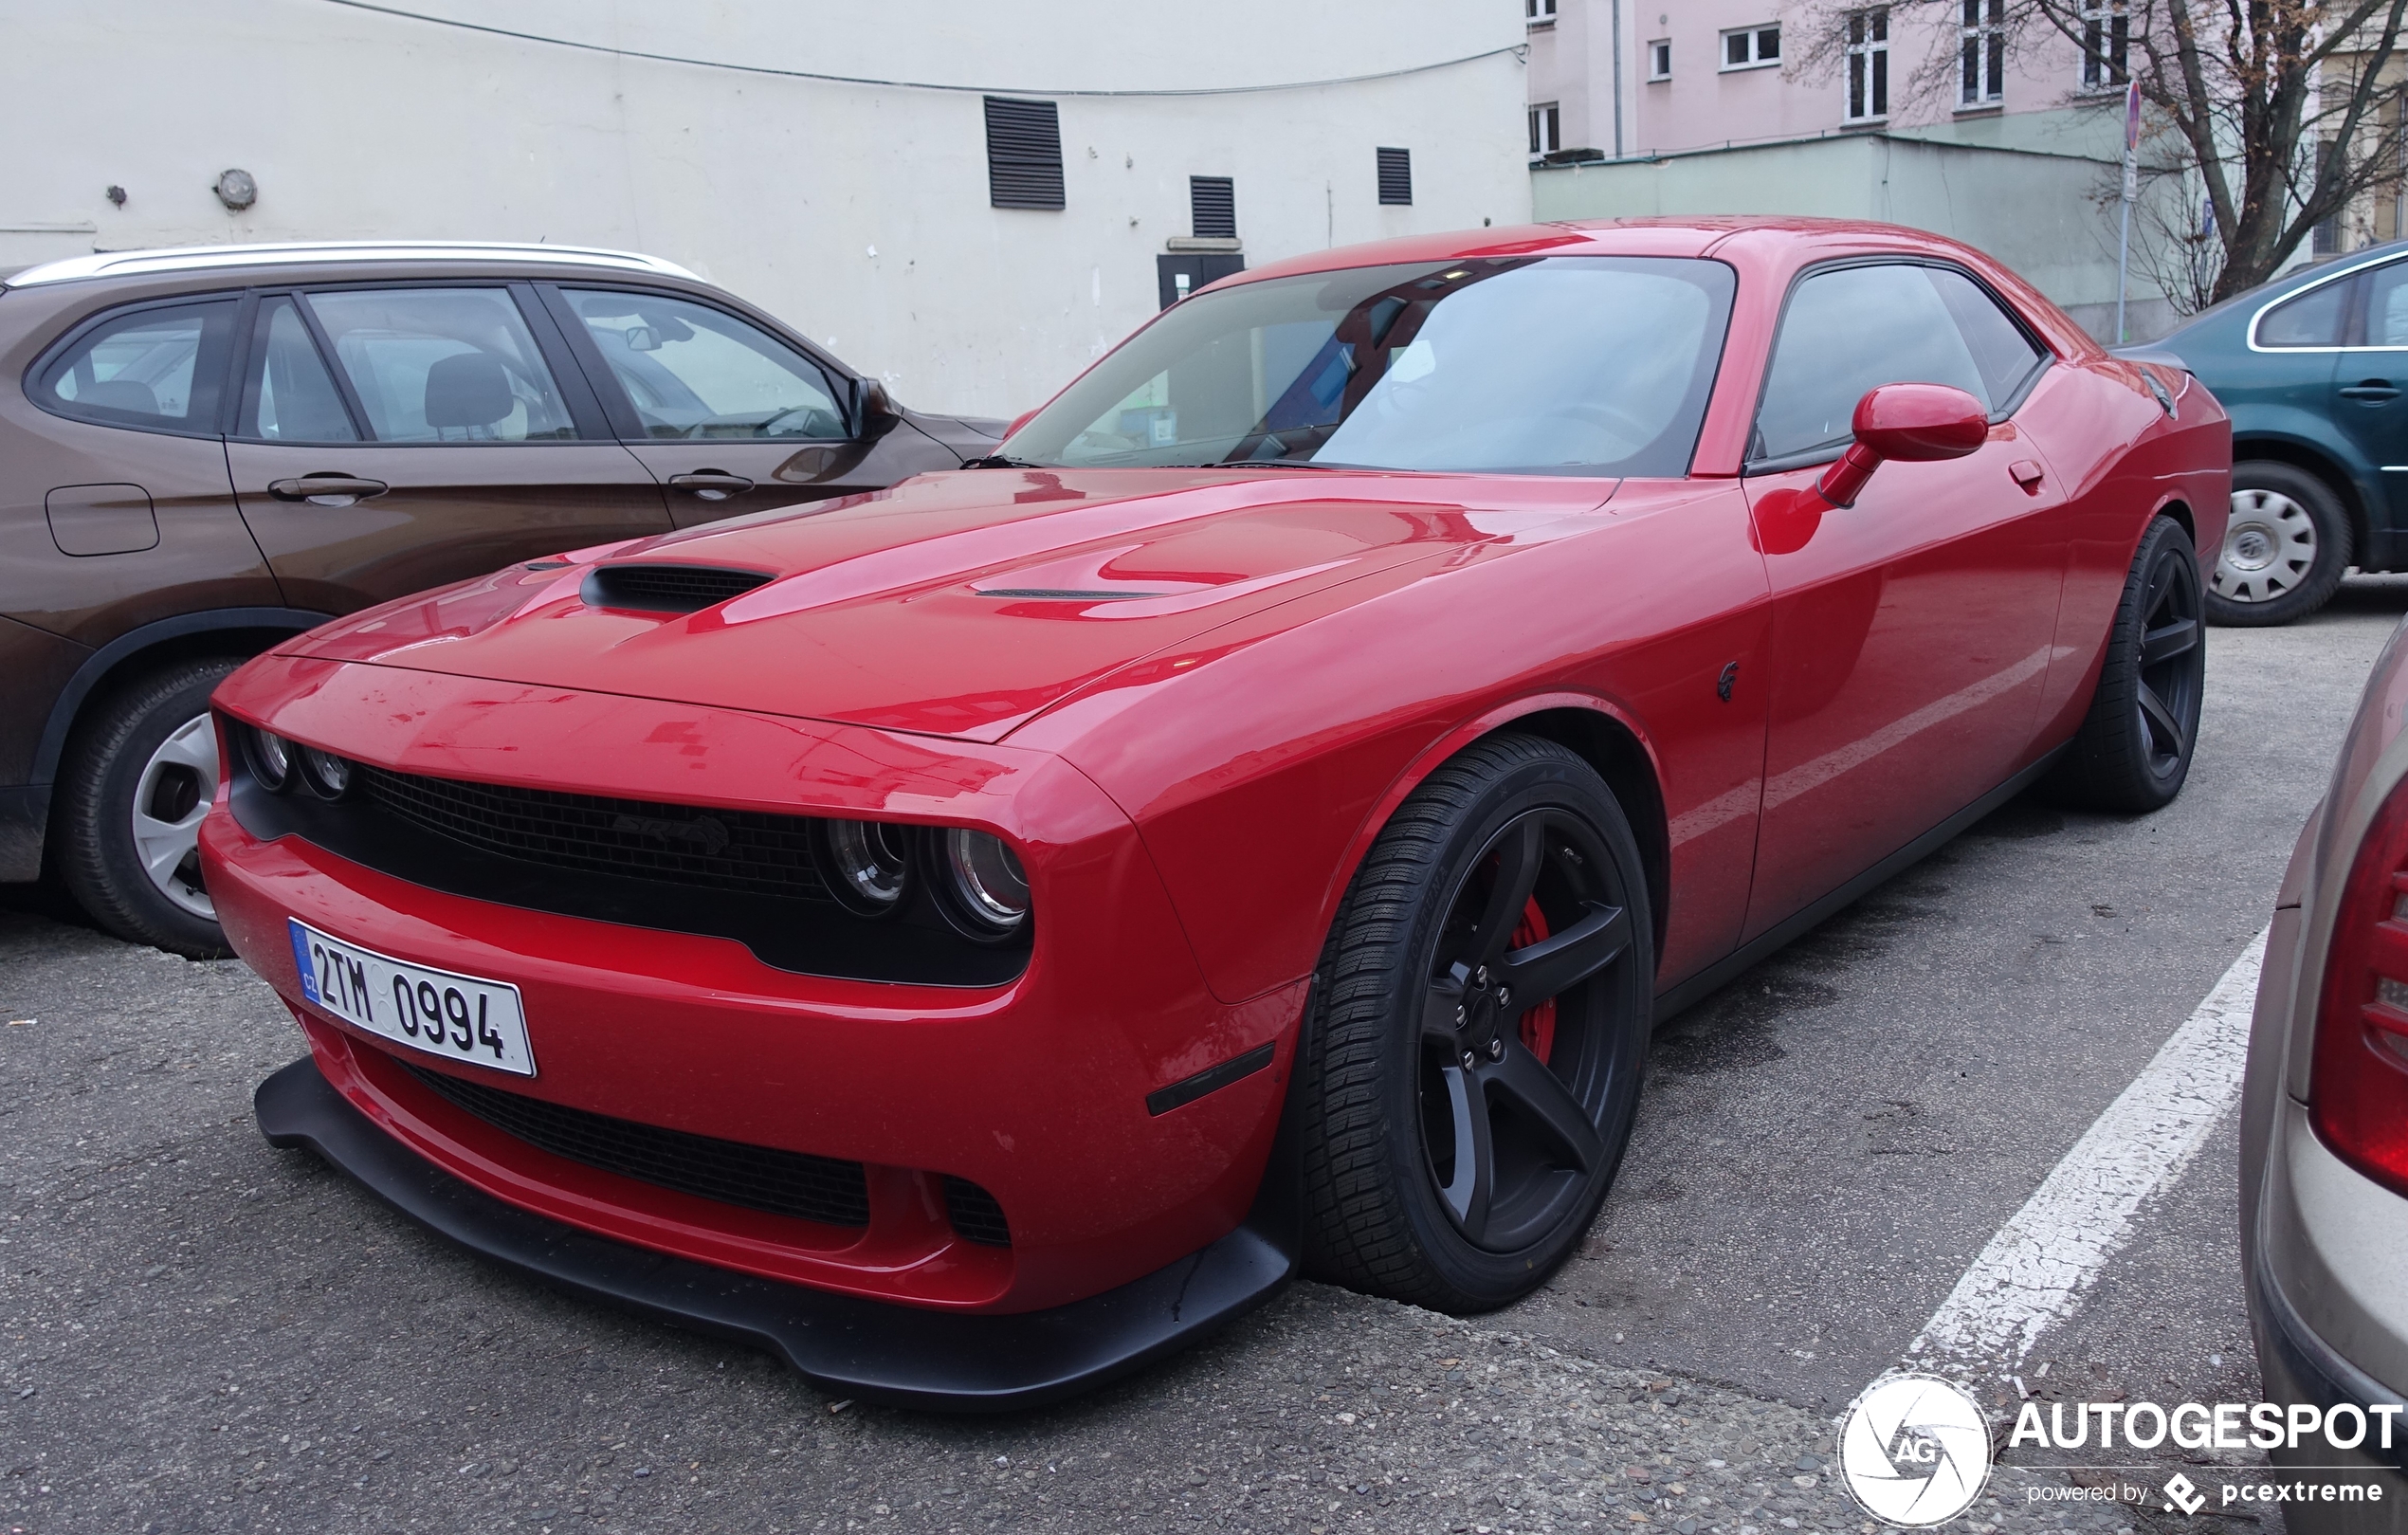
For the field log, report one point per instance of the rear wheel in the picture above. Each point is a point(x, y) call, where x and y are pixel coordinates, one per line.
point(140, 773)
point(2134, 748)
point(1480, 1028)
point(2285, 548)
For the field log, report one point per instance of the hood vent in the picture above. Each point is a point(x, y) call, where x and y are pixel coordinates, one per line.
point(666, 588)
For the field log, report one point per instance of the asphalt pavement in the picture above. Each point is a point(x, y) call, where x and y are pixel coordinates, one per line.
point(199, 1333)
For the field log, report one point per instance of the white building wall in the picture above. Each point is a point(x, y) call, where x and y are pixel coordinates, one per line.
point(858, 212)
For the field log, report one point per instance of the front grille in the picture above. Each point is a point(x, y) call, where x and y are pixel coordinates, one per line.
point(974, 1214)
point(792, 1183)
point(722, 850)
point(666, 588)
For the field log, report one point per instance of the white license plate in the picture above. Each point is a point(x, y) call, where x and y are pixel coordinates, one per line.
point(458, 1017)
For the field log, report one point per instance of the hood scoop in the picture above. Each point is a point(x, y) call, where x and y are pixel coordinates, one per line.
point(650, 587)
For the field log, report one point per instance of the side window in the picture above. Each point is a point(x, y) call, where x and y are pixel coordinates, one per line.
point(1846, 331)
point(2386, 305)
point(443, 365)
point(693, 371)
point(2313, 318)
point(159, 368)
point(289, 397)
point(2001, 353)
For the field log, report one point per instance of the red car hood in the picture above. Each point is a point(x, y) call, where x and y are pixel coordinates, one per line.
point(959, 603)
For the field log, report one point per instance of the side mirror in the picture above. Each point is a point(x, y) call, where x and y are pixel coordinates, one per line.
point(879, 412)
point(1914, 423)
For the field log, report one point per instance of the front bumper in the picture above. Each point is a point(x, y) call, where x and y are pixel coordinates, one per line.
point(849, 1347)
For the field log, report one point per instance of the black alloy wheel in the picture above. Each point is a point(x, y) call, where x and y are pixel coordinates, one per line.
point(1479, 1033)
point(2134, 749)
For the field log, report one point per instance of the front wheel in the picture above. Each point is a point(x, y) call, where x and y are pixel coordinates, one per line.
point(1479, 1030)
point(2285, 548)
point(139, 775)
point(2134, 748)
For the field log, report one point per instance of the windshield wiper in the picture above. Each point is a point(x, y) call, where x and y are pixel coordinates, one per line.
point(1001, 461)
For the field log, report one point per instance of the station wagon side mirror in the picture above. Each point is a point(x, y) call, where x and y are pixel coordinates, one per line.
point(1914, 423)
point(879, 412)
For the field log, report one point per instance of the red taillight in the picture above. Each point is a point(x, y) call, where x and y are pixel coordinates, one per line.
point(2359, 1092)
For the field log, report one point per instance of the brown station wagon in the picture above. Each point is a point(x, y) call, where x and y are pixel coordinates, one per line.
point(205, 452)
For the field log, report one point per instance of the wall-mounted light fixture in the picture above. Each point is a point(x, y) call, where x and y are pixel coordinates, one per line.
point(236, 189)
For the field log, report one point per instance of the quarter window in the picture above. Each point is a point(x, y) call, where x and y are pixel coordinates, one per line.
point(443, 365)
point(1855, 328)
point(2313, 318)
point(694, 372)
point(157, 368)
point(291, 396)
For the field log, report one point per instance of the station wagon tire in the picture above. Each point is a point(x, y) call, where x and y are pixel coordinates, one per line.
point(2134, 748)
point(140, 772)
point(1456, 1138)
point(2285, 549)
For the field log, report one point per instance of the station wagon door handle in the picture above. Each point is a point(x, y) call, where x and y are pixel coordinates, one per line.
point(710, 485)
point(327, 489)
point(2373, 391)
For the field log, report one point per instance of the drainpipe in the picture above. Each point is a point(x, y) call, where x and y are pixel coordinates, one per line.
point(1618, 79)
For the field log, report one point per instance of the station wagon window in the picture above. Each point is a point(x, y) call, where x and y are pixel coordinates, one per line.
point(1854, 328)
point(157, 368)
point(2313, 318)
point(443, 365)
point(291, 396)
point(693, 371)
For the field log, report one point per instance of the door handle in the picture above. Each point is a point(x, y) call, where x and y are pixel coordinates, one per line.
point(2028, 474)
point(2373, 391)
point(327, 489)
point(710, 485)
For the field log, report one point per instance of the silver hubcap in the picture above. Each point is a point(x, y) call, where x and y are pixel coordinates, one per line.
point(2269, 546)
point(169, 801)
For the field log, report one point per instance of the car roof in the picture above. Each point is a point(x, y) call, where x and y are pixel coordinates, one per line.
point(323, 252)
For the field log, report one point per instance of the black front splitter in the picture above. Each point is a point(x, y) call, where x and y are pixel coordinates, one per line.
point(906, 1356)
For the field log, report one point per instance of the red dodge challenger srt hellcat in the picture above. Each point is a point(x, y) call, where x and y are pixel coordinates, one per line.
point(970, 937)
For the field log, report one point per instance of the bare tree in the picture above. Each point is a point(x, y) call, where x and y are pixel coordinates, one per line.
point(2283, 110)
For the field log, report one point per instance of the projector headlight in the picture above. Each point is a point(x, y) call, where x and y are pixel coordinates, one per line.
point(867, 864)
point(270, 758)
point(986, 890)
point(327, 775)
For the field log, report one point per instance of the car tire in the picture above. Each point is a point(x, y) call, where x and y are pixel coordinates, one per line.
point(2134, 748)
point(140, 772)
point(2283, 551)
point(1455, 1145)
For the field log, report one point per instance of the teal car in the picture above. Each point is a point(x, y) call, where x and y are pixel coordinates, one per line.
point(2313, 368)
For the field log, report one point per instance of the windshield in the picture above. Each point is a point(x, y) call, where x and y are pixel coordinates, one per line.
point(1592, 365)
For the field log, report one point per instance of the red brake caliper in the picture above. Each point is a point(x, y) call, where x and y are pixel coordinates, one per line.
point(1537, 1025)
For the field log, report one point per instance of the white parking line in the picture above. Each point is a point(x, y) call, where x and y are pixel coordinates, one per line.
point(2035, 1268)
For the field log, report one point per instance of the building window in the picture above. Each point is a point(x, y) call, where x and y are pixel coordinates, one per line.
point(2107, 32)
point(1751, 47)
point(1546, 129)
point(1024, 154)
point(1981, 73)
point(1539, 12)
point(1867, 49)
point(1659, 59)
point(1212, 206)
point(1396, 177)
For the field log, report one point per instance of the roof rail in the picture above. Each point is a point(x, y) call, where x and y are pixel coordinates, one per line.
point(204, 258)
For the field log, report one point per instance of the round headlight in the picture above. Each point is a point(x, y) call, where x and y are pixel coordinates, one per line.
point(327, 774)
point(989, 887)
point(271, 759)
point(867, 864)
